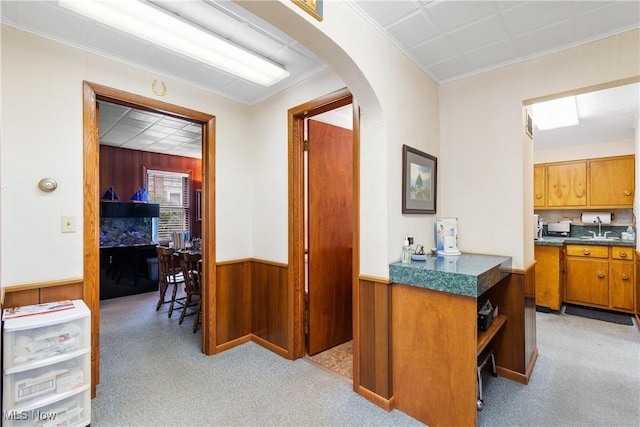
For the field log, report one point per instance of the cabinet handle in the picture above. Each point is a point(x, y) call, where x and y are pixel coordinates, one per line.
point(586, 251)
point(538, 196)
point(624, 277)
point(600, 274)
point(623, 254)
point(627, 192)
point(579, 195)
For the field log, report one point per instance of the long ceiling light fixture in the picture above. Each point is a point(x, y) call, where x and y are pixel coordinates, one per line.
point(151, 24)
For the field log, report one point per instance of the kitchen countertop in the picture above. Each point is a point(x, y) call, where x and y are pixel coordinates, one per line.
point(559, 241)
point(465, 274)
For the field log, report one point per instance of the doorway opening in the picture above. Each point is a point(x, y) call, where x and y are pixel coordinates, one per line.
point(324, 228)
point(92, 94)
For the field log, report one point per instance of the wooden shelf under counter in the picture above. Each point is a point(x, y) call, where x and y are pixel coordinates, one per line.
point(485, 337)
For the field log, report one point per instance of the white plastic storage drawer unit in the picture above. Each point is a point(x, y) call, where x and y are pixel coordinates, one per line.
point(46, 365)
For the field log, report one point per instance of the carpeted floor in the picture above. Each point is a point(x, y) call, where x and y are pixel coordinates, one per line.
point(153, 374)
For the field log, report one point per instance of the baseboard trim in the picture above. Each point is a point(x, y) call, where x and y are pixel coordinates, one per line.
point(233, 343)
point(386, 404)
point(270, 346)
point(517, 376)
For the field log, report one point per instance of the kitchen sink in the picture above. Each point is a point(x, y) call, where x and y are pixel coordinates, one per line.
point(599, 238)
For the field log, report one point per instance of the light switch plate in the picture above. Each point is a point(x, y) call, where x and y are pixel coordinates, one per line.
point(68, 224)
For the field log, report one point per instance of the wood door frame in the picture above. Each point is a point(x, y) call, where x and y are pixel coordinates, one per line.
point(296, 117)
point(92, 93)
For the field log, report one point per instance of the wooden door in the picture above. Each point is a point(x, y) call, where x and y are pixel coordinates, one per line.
point(330, 227)
point(567, 184)
point(588, 281)
point(539, 186)
point(611, 182)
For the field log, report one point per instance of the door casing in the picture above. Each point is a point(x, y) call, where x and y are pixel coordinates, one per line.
point(92, 93)
point(296, 117)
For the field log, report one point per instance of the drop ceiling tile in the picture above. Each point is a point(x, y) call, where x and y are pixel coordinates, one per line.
point(546, 39)
point(533, 15)
point(433, 51)
point(116, 137)
point(481, 33)
point(385, 12)
point(413, 30)
point(144, 116)
point(505, 5)
point(450, 15)
point(451, 67)
point(616, 15)
point(488, 56)
point(256, 41)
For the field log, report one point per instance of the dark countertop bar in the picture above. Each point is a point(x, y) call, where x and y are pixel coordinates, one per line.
point(559, 241)
point(465, 274)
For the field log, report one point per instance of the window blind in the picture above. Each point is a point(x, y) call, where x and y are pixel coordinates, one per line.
point(171, 191)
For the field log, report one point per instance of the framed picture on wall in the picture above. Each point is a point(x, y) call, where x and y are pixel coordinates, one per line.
point(419, 173)
point(312, 7)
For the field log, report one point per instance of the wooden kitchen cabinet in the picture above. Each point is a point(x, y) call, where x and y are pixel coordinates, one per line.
point(588, 281)
point(599, 183)
point(567, 184)
point(611, 182)
point(622, 278)
point(601, 276)
point(549, 276)
point(539, 186)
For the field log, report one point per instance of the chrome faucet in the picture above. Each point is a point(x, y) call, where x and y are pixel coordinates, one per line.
point(599, 221)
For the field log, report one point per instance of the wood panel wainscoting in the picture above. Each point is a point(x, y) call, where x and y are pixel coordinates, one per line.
point(252, 305)
point(38, 293)
point(372, 341)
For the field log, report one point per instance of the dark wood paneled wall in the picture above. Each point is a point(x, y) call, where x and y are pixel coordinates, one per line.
point(269, 305)
point(374, 302)
point(124, 170)
point(233, 301)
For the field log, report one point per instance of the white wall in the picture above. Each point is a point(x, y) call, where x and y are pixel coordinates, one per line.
point(399, 105)
point(482, 150)
point(271, 163)
point(42, 137)
point(587, 151)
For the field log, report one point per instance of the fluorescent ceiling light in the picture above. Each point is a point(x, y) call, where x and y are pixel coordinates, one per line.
point(166, 30)
point(554, 114)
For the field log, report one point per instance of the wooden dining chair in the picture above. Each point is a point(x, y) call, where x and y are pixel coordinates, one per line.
point(192, 272)
point(169, 274)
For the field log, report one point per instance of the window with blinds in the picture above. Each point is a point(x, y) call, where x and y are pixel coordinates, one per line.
point(171, 191)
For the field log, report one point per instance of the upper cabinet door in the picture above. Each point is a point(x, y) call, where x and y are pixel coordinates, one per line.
point(539, 186)
point(567, 184)
point(611, 182)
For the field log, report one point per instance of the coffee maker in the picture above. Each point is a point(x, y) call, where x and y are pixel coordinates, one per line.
point(537, 227)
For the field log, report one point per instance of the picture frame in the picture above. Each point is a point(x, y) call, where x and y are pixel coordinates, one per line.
point(419, 181)
point(312, 7)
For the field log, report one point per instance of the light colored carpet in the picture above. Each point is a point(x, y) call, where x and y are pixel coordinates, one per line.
point(153, 374)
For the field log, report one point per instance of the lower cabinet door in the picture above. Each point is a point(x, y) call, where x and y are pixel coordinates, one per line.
point(588, 281)
point(622, 281)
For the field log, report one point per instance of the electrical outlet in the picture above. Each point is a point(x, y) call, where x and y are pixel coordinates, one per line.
point(68, 224)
